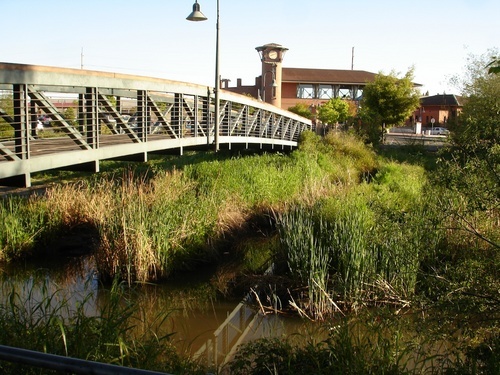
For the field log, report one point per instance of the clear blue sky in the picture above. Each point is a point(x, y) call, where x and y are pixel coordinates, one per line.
point(153, 38)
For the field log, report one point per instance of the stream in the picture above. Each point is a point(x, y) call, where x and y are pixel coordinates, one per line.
point(202, 323)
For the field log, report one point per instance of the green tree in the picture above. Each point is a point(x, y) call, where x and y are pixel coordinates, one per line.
point(471, 170)
point(389, 100)
point(70, 116)
point(6, 110)
point(479, 127)
point(494, 66)
point(334, 111)
point(301, 109)
point(467, 193)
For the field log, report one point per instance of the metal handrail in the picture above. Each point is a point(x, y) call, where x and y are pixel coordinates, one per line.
point(117, 116)
point(67, 364)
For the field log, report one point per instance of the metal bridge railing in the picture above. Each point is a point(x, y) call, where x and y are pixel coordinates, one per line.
point(54, 117)
point(66, 365)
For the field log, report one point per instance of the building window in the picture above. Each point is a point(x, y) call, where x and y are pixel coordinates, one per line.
point(325, 92)
point(345, 93)
point(305, 91)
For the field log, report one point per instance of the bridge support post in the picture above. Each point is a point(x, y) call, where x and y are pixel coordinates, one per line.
point(142, 115)
point(91, 117)
point(176, 116)
point(21, 121)
point(206, 115)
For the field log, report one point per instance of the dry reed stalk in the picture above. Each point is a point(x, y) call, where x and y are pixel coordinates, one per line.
point(301, 312)
point(327, 295)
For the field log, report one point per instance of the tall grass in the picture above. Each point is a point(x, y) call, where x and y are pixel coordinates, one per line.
point(152, 222)
point(308, 257)
point(364, 244)
point(351, 224)
point(43, 319)
point(143, 225)
point(24, 223)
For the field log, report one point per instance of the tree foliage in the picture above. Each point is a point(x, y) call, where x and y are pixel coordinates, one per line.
point(6, 109)
point(479, 126)
point(70, 116)
point(494, 66)
point(471, 170)
point(334, 111)
point(389, 100)
point(301, 109)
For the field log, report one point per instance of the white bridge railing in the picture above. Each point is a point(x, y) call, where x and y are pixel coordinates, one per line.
point(58, 118)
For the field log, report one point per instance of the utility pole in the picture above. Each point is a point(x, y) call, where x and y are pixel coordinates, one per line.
point(352, 59)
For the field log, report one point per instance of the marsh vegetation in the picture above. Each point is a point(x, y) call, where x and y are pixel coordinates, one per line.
point(394, 253)
point(356, 239)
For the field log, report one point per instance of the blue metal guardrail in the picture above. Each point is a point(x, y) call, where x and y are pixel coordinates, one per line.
point(66, 364)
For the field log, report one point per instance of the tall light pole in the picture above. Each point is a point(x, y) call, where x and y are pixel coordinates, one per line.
point(197, 15)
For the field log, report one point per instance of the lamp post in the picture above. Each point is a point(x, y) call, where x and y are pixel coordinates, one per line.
point(197, 15)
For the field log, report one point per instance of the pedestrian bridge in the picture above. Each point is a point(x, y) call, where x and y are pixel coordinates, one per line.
point(53, 118)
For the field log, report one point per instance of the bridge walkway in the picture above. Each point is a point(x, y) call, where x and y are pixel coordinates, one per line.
point(54, 118)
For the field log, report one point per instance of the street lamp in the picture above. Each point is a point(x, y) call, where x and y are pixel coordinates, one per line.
point(197, 15)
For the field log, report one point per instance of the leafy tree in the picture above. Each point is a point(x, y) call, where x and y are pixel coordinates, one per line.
point(334, 111)
point(471, 170)
point(301, 109)
point(494, 66)
point(6, 109)
point(70, 116)
point(388, 100)
point(479, 127)
point(466, 190)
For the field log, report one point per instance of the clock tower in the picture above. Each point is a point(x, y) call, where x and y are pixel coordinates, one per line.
point(271, 56)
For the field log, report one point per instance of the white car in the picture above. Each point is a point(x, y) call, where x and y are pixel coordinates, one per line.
point(439, 131)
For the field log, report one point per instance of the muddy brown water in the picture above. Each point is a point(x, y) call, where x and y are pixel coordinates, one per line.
point(202, 323)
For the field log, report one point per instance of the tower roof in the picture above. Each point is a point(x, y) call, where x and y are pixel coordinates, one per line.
point(271, 45)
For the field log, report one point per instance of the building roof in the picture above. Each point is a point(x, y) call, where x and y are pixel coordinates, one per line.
point(327, 76)
point(441, 100)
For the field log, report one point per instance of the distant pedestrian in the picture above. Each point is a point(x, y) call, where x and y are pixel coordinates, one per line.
point(39, 126)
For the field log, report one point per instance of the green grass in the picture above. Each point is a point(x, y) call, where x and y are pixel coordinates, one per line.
point(354, 230)
point(153, 221)
point(363, 245)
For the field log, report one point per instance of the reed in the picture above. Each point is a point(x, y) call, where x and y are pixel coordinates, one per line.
point(149, 225)
point(24, 223)
point(151, 222)
point(42, 318)
point(308, 257)
point(350, 224)
point(363, 245)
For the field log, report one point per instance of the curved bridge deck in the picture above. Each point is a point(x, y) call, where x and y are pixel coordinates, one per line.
point(67, 118)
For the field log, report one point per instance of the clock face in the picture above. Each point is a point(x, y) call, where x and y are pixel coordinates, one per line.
point(272, 55)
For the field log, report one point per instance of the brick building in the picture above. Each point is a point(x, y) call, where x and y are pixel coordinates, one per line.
point(442, 108)
point(285, 87)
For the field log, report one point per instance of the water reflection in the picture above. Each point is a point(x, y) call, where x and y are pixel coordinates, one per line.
point(69, 284)
point(202, 323)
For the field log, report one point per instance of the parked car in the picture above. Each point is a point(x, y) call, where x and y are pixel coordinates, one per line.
point(439, 131)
